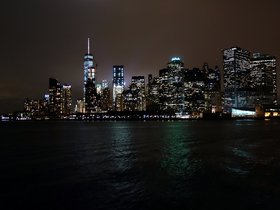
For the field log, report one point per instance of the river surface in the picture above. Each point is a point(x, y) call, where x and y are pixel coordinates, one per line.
point(140, 165)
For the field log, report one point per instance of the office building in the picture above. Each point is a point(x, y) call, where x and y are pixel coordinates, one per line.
point(66, 99)
point(134, 97)
point(263, 78)
point(90, 92)
point(194, 91)
point(55, 98)
point(138, 84)
point(80, 106)
point(153, 103)
point(118, 87)
point(213, 97)
point(236, 78)
point(171, 86)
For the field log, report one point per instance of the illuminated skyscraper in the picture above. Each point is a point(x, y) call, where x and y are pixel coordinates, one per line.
point(194, 91)
point(171, 87)
point(80, 106)
point(89, 66)
point(139, 82)
point(55, 98)
point(66, 99)
point(106, 103)
point(236, 78)
point(118, 87)
point(213, 102)
point(263, 78)
point(134, 97)
point(152, 102)
point(35, 107)
point(90, 93)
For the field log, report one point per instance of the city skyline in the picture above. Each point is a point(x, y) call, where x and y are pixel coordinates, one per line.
point(92, 88)
point(42, 40)
point(247, 88)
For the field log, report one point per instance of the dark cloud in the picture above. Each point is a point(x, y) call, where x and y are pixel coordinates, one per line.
point(41, 39)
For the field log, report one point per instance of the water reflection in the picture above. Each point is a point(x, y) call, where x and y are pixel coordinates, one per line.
point(177, 152)
point(240, 159)
point(121, 146)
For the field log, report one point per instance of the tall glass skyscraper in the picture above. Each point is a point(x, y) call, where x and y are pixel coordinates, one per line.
point(89, 66)
point(55, 98)
point(263, 78)
point(90, 94)
point(118, 86)
point(139, 83)
point(236, 78)
point(66, 99)
point(171, 88)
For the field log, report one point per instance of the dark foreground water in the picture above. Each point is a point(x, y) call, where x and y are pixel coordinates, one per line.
point(140, 165)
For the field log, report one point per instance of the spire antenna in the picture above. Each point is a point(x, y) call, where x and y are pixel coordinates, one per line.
point(88, 45)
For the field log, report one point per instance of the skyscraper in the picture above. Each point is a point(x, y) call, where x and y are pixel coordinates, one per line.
point(134, 97)
point(66, 99)
point(194, 91)
point(55, 98)
point(89, 66)
point(263, 78)
point(212, 89)
point(139, 83)
point(118, 86)
point(236, 78)
point(90, 93)
point(171, 88)
point(152, 102)
point(106, 102)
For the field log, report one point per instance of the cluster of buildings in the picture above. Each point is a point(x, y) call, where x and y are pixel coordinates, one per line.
point(249, 81)
point(246, 86)
point(57, 103)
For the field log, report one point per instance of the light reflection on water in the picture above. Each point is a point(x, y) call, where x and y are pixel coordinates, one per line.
point(176, 153)
point(121, 147)
point(141, 165)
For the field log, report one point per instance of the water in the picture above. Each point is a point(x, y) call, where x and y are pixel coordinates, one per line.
point(140, 165)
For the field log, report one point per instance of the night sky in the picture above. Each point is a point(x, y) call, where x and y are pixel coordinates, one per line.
point(48, 38)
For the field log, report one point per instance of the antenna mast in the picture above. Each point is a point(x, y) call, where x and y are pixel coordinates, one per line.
point(88, 45)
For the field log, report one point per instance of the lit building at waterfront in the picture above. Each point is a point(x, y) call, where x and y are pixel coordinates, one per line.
point(134, 97)
point(138, 84)
point(35, 107)
point(106, 103)
point(55, 98)
point(80, 106)
point(66, 99)
point(236, 78)
point(213, 97)
point(91, 98)
point(171, 86)
point(194, 91)
point(118, 87)
point(153, 103)
point(263, 81)
point(186, 92)
point(248, 81)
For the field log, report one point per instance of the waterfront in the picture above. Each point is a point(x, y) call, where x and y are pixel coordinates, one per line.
point(232, 164)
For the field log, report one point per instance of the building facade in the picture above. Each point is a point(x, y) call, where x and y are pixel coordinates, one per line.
point(263, 80)
point(66, 99)
point(171, 91)
point(236, 78)
point(55, 98)
point(153, 102)
point(118, 87)
point(90, 91)
point(138, 84)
